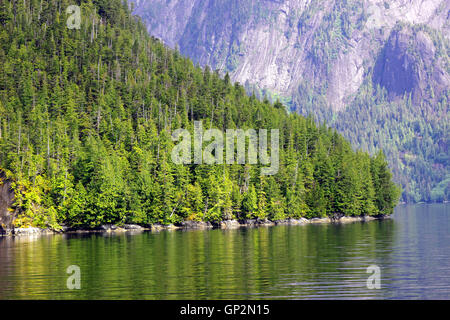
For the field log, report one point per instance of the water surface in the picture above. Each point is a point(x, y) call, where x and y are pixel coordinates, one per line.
point(282, 262)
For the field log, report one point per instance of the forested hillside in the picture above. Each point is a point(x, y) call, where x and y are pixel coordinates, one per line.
point(86, 117)
point(378, 71)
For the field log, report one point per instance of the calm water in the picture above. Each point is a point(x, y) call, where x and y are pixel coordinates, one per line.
point(283, 262)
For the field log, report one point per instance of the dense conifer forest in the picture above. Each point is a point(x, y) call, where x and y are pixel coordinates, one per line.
point(86, 118)
point(377, 71)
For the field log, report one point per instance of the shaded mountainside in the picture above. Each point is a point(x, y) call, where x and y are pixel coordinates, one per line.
point(411, 64)
point(322, 57)
point(86, 123)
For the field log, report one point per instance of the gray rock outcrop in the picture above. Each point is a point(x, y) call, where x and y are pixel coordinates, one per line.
point(7, 213)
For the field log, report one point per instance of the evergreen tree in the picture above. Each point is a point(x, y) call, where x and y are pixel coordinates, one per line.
point(86, 118)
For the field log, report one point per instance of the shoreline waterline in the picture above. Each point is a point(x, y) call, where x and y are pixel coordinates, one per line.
point(190, 225)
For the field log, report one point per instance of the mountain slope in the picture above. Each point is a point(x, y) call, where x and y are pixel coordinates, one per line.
point(86, 123)
point(320, 57)
point(280, 44)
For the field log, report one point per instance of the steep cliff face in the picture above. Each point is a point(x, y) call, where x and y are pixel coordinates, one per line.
point(329, 46)
point(409, 64)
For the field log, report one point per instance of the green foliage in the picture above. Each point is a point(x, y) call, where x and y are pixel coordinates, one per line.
point(413, 137)
point(86, 118)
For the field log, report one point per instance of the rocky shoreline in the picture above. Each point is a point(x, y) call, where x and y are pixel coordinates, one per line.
point(189, 225)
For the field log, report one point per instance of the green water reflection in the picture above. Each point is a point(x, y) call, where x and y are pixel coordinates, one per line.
point(283, 262)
